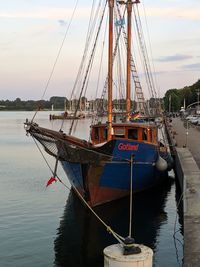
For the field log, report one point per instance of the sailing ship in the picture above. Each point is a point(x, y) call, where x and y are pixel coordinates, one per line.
point(121, 155)
point(67, 114)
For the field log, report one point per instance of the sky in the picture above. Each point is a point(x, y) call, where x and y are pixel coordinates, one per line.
point(32, 32)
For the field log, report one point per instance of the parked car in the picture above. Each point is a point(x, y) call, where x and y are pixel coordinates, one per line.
point(198, 122)
point(189, 117)
point(194, 120)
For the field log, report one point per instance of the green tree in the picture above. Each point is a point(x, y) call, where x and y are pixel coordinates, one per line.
point(172, 100)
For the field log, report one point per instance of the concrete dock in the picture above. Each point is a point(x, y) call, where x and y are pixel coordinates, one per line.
point(187, 155)
point(192, 139)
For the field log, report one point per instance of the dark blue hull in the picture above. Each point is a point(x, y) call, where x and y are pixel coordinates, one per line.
point(103, 182)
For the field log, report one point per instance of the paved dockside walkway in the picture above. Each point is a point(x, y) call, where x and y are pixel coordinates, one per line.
point(189, 159)
point(193, 138)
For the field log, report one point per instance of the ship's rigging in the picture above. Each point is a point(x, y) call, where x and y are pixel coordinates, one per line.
point(99, 169)
point(97, 21)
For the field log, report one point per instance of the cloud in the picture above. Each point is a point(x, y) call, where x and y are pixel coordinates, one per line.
point(177, 57)
point(177, 13)
point(46, 13)
point(190, 13)
point(62, 22)
point(195, 66)
point(160, 72)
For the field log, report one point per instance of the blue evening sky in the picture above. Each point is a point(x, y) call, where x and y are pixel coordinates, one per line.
point(32, 32)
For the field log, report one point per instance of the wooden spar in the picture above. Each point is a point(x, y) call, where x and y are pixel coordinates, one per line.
point(128, 77)
point(110, 69)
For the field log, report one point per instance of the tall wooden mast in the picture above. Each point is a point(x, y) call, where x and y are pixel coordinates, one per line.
point(110, 68)
point(128, 75)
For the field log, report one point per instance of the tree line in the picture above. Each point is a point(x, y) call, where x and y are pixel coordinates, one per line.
point(31, 105)
point(173, 100)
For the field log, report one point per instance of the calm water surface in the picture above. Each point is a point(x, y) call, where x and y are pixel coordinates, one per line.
point(50, 227)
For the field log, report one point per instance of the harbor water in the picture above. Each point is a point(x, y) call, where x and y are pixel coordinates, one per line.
point(42, 226)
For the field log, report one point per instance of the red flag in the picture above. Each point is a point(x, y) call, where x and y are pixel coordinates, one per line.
point(51, 180)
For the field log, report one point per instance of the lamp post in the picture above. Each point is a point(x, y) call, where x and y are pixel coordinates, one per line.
point(198, 93)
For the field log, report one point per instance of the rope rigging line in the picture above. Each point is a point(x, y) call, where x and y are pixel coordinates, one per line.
point(86, 86)
point(145, 47)
point(101, 60)
point(150, 46)
point(153, 65)
point(57, 57)
point(147, 57)
point(100, 68)
point(120, 70)
point(91, 27)
point(123, 70)
point(150, 80)
point(164, 137)
point(140, 57)
point(88, 66)
point(120, 80)
point(144, 54)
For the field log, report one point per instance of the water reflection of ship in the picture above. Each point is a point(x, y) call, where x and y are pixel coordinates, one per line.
point(81, 238)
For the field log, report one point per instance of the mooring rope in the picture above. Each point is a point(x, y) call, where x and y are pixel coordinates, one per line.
point(108, 228)
point(131, 197)
point(53, 172)
point(119, 238)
